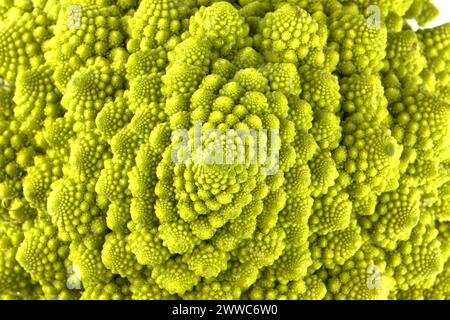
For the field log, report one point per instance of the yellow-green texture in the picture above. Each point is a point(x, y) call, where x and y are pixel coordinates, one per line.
point(94, 207)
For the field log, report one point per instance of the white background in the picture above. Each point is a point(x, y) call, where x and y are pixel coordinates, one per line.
point(444, 16)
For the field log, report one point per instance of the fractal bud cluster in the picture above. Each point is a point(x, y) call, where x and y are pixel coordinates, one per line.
point(350, 201)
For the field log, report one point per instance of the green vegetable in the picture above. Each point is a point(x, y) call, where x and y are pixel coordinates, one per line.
point(126, 162)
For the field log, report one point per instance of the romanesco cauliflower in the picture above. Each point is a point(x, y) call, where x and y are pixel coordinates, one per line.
point(332, 179)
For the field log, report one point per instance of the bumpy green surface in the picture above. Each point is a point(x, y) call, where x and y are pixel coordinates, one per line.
point(92, 205)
